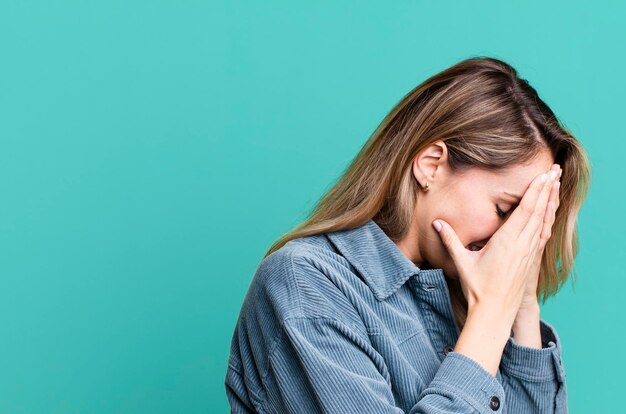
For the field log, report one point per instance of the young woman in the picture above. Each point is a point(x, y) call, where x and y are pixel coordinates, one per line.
point(414, 285)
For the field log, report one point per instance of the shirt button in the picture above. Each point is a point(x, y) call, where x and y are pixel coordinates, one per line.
point(447, 349)
point(494, 403)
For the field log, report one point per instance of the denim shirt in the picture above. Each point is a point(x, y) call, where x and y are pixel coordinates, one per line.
point(344, 322)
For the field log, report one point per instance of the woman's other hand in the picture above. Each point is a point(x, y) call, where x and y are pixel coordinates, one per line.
point(526, 330)
point(530, 299)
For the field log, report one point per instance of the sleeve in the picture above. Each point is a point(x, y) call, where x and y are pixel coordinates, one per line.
point(534, 379)
point(237, 393)
point(318, 364)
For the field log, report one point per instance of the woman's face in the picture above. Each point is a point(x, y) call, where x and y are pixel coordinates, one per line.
point(474, 202)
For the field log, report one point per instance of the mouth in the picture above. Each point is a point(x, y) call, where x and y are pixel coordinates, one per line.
point(474, 247)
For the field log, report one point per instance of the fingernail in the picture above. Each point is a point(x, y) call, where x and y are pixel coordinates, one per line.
point(553, 174)
point(437, 225)
point(543, 177)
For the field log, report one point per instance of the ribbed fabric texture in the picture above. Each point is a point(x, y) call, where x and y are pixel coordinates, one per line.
point(344, 322)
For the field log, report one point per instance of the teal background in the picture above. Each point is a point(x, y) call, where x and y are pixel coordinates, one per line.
point(151, 152)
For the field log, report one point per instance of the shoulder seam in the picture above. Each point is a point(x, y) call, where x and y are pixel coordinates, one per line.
point(295, 279)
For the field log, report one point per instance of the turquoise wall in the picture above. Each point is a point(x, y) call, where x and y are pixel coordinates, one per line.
point(151, 151)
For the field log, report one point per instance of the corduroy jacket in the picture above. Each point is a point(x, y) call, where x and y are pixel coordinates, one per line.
point(344, 322)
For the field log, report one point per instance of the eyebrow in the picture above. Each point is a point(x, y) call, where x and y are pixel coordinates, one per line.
point(517, 197)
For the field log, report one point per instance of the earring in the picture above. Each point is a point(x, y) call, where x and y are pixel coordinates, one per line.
point(426, 187)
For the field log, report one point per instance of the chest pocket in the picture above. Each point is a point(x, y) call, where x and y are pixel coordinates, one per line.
point(394, 325)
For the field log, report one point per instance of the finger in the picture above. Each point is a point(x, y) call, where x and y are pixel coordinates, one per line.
point(449, 239)
point(554, 197)
point(548, 220)
point(549, 216)
point(515, 224)
point(531, 232)
point(558, 195)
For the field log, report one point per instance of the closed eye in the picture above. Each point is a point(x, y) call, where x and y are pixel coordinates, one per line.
point(501, 213)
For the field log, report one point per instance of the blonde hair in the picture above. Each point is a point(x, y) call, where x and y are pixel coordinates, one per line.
point(489, 118)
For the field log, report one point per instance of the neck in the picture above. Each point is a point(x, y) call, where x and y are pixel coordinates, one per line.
point(409, 245)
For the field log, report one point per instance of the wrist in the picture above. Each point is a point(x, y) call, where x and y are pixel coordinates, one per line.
point(526, 327)
point(528, 308)
point(497, 321)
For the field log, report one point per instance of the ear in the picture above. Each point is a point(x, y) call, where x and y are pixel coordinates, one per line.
point(430, 162)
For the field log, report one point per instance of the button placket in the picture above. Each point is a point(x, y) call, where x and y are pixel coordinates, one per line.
point(423, 292)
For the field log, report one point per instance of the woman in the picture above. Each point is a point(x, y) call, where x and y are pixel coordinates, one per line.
point(414, 285)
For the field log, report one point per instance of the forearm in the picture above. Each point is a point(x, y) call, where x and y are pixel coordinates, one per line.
point(526, 330)
point(483, 338)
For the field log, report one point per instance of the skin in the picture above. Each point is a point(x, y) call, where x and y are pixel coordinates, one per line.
point(468, 202)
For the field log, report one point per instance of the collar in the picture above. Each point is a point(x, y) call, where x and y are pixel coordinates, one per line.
point(377, 258)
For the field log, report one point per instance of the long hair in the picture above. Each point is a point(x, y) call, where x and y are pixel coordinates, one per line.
point(489, 118)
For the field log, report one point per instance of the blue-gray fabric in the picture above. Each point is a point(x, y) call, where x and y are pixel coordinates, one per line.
point(344, 322)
